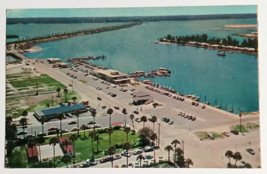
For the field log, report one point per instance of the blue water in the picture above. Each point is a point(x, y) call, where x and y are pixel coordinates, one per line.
point(194, 70)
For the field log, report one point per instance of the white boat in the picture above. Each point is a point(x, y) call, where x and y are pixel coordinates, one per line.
point(221, 53)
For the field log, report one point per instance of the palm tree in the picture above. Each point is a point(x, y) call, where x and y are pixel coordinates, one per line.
point(8, 120)
point(127, 131)
point(58, 91)
point(110, 111)
point(111, 152)
point(189, 162)
point(144, 119)
point(92, 135)
point(65, 92)
point(25, 114)
point(53, 141)
point(229, 154)
point(23, 122)
point(60, 117)
point(124, 112)
point(168, 148)
point(77, 113)
point(179, 151)
point(132, 117)
point(66, 159)
point(140, 157)
point(126, 146)
point(30, 145)
point(93, 113)
point(97, 138)
point(153, 138)
point(40, 140)
point(154, 119)
point(73, 138)
point(110, 131)
point(83, 127)
point(175, 142)
point(42, 120)
point(237, 157)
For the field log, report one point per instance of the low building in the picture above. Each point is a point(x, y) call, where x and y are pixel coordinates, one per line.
point(32, 154)
point(112, 76)
point(52, 113)
point(140, 97)
point(67, 149)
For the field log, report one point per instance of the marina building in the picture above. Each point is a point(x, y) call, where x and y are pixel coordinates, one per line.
point(111, 76)
point(53, 60)
point(52, 113)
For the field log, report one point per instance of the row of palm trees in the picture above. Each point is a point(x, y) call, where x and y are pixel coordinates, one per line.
point(237, 157)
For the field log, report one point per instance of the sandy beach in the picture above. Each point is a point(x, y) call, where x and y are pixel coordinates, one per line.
point(34, 49)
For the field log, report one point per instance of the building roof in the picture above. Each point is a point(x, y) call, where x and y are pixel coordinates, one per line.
point(142, 98)
point(140, 94)
point(60, 109)
point(62, 139)
point(108, 72)
point(69, 148)
point(32, 152)
point(121, 80)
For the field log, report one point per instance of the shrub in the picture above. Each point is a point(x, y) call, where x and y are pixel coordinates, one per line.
point(116, 127)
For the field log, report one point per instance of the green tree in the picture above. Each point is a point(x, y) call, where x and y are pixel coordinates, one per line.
point(109, 132)
point(83, 127)
point(25, 114)
point(66, 159)
point(124, 111)
point(237, 157)
point(53, 141)
point(154, 137)
point(247, 165)
point(144, 119)
point(127, 131)
point(132, 118)
point(140, 157)
point(109, 112)
point(97, 139)
point(23, 122)
point(93, 113)
point(40, 140)
point(126, 146)
point(66, 92)
point(189, 162)
point(77, 114)
point(111, 152)
point(168, 148)
point(229, 154)
point(154, 120)
point(74, 98)
point(73, 138)
point(58, 91)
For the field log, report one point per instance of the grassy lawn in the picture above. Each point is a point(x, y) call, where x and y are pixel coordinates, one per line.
point(247, 127)
point(8, 90)
point(20, 89)
point(31, 81)
point(18, 75)
point(83, 146)
point(205, 135)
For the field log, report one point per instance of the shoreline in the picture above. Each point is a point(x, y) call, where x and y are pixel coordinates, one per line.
point(212, 48)
point(33, 49)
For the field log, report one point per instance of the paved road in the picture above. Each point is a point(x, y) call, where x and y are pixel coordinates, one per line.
point(209, 119)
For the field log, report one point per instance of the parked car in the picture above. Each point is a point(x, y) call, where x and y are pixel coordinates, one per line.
point(211, 136)
point(85, 165)
point(96, 126)
point(226, 134)
point(190, 117)
point(52, 132)
point(105, 159)
point(148, 157)
point(21, 133)
point(234, 132)
point(114, 86)
point(115, 157)
point(123, 166)
point(170, 122)
point(124, 153)
point(251, 151)
point(113, 95)
point(72, 122)
point(130, 165)
point(41, 134)
point(193, 118)
point(148, 149)
point(91, 122)
point(64, 131)
point(91, 162)
point(99, 98)
point(52, 128)
point(137, 120)
point(74, 129)
point(116, 107)
point(136, 112)
point(136, 152)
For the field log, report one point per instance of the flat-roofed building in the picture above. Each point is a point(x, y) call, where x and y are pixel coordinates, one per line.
point(52, 113)
point(112, 76)
point(140, 97)
point(53, 60)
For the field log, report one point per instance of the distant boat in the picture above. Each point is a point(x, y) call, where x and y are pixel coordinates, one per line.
point(221, 53)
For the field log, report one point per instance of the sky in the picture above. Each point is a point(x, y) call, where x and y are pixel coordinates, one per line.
point(115, 12)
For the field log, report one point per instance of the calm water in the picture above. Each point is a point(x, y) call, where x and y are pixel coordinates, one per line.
point(194, 70)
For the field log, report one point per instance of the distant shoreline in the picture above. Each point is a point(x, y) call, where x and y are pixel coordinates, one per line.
point(212, 48)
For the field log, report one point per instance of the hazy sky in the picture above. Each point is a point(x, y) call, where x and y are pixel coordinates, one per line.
point(110, 12)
